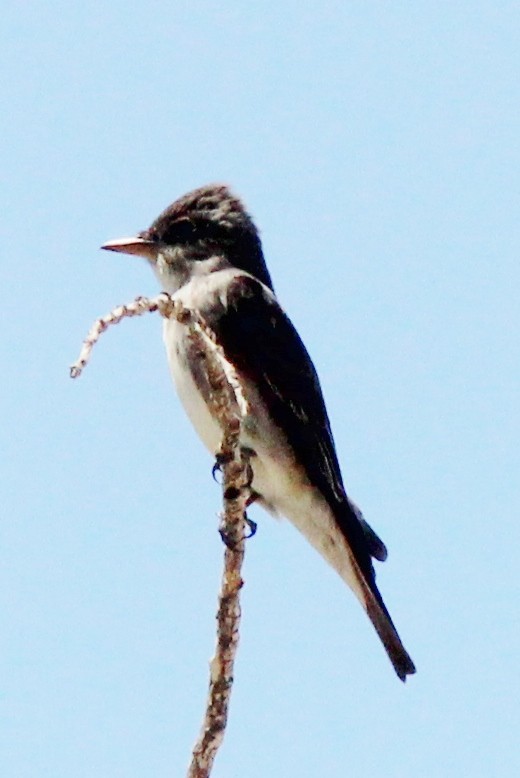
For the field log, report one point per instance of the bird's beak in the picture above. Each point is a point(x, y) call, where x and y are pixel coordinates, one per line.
point(136, 245)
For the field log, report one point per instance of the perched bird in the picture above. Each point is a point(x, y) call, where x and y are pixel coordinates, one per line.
point(205, 250)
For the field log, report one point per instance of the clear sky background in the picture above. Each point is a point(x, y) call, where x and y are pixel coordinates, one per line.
point(377, 146)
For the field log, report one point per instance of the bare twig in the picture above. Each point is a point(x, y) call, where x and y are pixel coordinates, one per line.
point(229, 406)
point(162, 303)
point(228, 623)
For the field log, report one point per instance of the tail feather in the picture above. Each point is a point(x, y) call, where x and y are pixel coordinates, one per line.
point(383, 624)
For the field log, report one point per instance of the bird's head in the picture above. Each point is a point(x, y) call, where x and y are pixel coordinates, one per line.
point(206, 230)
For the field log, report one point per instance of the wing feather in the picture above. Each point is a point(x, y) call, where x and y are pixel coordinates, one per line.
point(260, 340)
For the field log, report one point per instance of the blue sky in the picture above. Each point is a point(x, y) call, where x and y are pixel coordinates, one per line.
point(377, 146)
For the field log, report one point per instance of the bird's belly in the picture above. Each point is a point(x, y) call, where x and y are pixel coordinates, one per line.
point(278, 479)
point(274, 477)
point(285, 490)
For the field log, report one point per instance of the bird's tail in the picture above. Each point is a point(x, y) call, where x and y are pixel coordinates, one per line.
point(383, 625)
point(380, 618)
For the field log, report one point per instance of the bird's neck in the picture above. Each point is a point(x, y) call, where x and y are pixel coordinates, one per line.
point(174, 272)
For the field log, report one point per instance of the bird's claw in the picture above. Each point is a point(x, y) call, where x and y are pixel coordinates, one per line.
point(220, 459)
point(229, 541)
point(252, 525)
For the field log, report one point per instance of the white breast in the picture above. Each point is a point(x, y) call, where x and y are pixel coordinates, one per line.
point(277, 477)
point(174, 340)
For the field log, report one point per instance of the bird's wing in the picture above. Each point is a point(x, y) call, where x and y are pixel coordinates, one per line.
point(260, 341)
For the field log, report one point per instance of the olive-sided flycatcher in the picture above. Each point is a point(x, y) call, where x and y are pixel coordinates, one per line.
point(206, 252)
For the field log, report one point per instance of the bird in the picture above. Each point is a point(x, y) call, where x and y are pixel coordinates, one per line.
point(206, 252)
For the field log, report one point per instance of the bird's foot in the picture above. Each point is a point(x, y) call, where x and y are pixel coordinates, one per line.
point(252, 526)
point(220, 459)
point(230, 541)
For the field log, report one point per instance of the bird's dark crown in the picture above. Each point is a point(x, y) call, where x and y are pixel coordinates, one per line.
point(212, 221)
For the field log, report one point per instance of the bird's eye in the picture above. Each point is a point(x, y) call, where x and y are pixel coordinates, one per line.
point(181, 231)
